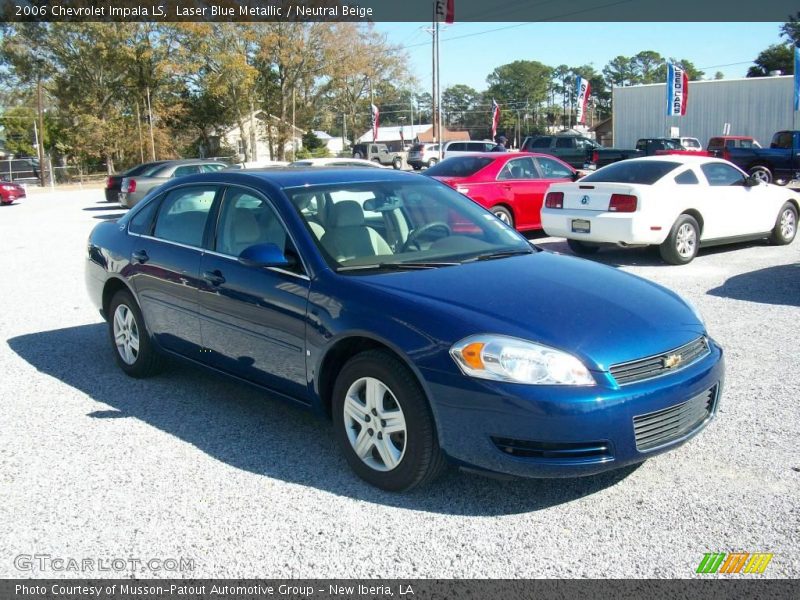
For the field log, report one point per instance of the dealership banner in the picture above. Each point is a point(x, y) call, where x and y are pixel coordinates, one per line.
point(582, 91)
point(419, 11)
point(677, 90)
point(395, 589)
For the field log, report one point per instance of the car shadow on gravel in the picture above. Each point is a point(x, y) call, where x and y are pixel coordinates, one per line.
point(247, 429)
point(773, 285)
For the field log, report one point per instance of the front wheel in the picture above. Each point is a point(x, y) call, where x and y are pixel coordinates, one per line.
point(682, 243)
point(582, 248)
point(383, 423)
point(785, 226)
point(397, 163)
point(133, 349)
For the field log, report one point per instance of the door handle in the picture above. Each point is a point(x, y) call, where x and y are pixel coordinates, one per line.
point(214, 277)
point(140, 255)
point(506, 186)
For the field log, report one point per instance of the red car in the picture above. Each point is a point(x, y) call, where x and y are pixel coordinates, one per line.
point(510, 184)
point(10, 192)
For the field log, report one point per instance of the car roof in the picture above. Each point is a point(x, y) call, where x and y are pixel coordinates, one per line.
point(689, 159)
point(288, 177)
point(507, 155)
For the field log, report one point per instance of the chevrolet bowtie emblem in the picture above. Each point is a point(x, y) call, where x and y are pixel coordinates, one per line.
point(671, 361)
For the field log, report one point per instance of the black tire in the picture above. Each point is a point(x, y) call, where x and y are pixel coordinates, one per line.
point(147, 360)
point(416, 167)
point(422, 460)
point(502, 213)
point(582, 248)
point(357, 155)
point(785, 228)
point(397, 163)
point(682, 243)
point(761, 173)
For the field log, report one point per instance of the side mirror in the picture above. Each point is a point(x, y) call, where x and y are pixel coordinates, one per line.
point(751, 181)
point(576, 175)
point(263, 255)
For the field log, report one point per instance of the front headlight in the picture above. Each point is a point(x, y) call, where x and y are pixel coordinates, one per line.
point(504, 358)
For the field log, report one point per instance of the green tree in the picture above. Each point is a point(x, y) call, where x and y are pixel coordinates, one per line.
point(457, 101)
point(620, 72)
point(778, 57)
point(693, 72)
point(18, 131)
point(646, 67)
point(791, 29)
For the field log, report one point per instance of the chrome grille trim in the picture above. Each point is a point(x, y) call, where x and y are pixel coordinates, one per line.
point(654, 366)
point(662, 427)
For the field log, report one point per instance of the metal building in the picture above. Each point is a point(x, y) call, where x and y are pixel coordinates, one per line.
point(757, 107)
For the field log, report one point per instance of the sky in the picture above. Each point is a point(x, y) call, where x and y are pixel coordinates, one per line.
point(726, 47)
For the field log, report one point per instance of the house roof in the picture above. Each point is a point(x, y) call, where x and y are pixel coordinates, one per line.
point(322, 135)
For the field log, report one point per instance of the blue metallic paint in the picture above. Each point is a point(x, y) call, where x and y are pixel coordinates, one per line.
point(276, 330)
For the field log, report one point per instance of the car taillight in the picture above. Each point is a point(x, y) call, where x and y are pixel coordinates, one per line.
point(554, 200)
point(622, 203)
point(131, 186)
point(108, 182)
point(595, 156)
point(726, 155)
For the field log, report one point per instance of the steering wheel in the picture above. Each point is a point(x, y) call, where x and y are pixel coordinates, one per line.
point(415, 233)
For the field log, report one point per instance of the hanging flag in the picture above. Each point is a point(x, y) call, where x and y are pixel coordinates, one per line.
point(445, 10)
point(375, 121)
point(677, 90)
point(797, 78)
point(582, 89)
point(495, 117)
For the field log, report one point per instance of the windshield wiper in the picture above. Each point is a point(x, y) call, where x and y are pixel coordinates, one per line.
point(401, 266)
point(500, 254)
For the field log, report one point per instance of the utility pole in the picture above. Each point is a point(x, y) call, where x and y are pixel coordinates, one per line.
point(439, 93)
point(40, 142)
point(294, 146)
point(150, 116)
point(411, 103)
point(139, 128)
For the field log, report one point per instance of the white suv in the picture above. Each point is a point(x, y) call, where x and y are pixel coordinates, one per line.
point(423, 155)
point(463, 148)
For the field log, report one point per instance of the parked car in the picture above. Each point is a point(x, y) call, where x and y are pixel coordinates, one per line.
point(427, 329)
point(21, 170)
point(720, 146)
point(511, 185)
point(257, 164)
point(575, 150)
point(689, 143)
point(423, 155)
point(644, 147)
point(336, 162)
point(780, 163)
point(678, 203)
point(378, 153)
point(451, 149)
point(10, 192)
point(114, 182)
point(136, 187)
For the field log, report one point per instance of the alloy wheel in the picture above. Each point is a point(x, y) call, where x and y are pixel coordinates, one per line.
point(375, 424)
point(788, 224)
point(126, 334)
point(686, 240)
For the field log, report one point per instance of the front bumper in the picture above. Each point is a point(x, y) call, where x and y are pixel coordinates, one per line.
point(477, 419)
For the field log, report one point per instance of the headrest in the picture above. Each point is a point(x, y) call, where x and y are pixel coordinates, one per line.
point(348, 214)
point(302, 201)
point(245, 226)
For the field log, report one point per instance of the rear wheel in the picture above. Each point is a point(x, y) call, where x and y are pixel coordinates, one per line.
point(133, 349)
point(761, 173)
point(582, 248)
point(432, 162)
point(682, 243)
point(502, 213)
point(416, 167)
point(383, 423)
point(357, 154)
point(397, 163)
point(785, 226)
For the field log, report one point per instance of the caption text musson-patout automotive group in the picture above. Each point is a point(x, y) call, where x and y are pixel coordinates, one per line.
point(161, 11)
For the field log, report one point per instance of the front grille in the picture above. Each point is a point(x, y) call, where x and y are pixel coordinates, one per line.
point(596, 451)
point(669, 424)
point(653, 366)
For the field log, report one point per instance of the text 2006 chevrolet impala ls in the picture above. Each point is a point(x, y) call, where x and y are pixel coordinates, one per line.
point(427, 329)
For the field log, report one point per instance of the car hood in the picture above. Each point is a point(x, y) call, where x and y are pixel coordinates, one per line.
point(602, 315)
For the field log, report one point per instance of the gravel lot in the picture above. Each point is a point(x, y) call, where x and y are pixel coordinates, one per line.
point(96, 465)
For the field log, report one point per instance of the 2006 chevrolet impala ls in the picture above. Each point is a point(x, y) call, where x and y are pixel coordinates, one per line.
point(426, 328)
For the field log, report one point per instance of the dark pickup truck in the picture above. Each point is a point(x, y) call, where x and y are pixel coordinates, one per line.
point(581, 152)
point(780, 163)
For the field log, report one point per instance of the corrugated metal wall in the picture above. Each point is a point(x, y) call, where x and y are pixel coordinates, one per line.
point(757, 107)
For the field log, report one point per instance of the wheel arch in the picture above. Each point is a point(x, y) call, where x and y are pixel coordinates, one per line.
point(795, 203)
point(695, 214)
point(111, 287)
point(504, 204)
point(345, 348)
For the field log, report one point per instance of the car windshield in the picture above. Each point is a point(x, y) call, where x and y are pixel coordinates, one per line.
point(392, 225)
point(459, 166)
point(645, 172)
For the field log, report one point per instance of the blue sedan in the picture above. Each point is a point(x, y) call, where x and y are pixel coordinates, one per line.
point(424, 327)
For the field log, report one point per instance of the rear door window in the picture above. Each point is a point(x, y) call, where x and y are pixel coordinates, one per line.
point(186, 170)
point(542, 142)
point(183, 214)
point(565, 142)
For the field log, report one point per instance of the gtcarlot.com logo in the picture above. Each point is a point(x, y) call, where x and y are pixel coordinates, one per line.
point(735, 562)
point(47, 562)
